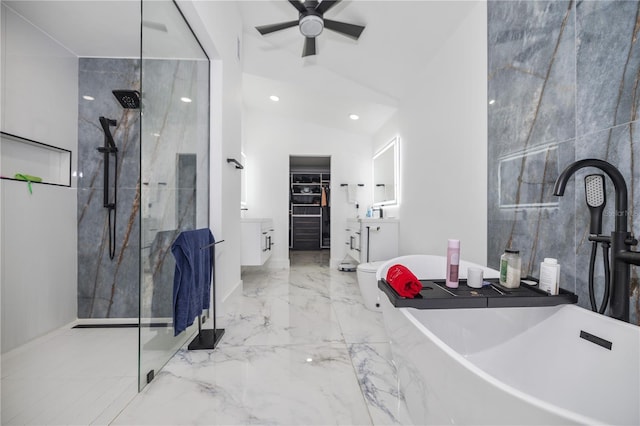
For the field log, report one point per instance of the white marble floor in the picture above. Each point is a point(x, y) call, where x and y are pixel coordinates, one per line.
point(70, 377)
point(299, 348)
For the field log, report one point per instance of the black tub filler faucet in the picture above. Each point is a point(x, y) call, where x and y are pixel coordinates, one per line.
point(622, 257)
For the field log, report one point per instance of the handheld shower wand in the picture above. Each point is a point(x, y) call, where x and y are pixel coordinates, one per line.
point(107, 150)
point(596, 200)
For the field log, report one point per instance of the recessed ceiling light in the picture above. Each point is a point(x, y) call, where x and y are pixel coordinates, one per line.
point(185, 99)
point(492, 101)
point(274, 98)
point(354, 116)
point(88, 98)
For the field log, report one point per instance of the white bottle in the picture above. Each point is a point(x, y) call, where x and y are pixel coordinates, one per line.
point(549, 276)
point(510, 268)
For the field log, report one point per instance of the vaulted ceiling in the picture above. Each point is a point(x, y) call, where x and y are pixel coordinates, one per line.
point(369, 77)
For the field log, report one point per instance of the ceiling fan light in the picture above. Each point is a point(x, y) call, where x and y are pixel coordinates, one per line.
point(311, 26)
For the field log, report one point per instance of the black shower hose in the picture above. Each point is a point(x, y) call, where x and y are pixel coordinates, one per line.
point(112, 209)
point(607, 276)
point(112, 233)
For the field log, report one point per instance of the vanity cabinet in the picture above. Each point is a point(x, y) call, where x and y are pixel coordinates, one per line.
point(257, 241)
point(371, 240)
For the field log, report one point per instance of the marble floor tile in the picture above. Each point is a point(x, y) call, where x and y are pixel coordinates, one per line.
point(359, 324)
point(291, 319)
point(295, 384)
point(299, 348)
point(70, 377)
point(377, 379)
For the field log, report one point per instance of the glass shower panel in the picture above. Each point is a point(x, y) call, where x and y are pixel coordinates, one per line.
point(174, 158)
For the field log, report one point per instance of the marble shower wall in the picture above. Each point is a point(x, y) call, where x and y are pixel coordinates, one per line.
point(108, 288)
point(563, 86)
point(173, 193)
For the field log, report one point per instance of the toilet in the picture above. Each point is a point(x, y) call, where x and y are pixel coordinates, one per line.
point(366, 274)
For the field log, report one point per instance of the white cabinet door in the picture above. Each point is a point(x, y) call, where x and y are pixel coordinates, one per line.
point(257, 241)
point(353, 239)
point(372, 240)
point(379, 240)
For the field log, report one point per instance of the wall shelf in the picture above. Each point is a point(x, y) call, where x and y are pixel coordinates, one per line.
point(25, 156)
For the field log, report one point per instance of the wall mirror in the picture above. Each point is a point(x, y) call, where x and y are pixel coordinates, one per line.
point(385, 174)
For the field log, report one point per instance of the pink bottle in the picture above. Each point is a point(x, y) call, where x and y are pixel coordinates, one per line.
point(453, 262)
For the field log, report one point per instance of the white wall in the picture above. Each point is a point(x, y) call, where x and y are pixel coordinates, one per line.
point(218, 26)
point(269, 140)
point(443, 151)
point(39, 231)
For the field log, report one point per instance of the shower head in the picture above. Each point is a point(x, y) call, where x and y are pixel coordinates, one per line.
point(129, 99)
point(594, 190)
point(596, 200)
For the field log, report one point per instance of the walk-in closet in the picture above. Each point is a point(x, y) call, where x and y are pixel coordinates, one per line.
point(309, 203)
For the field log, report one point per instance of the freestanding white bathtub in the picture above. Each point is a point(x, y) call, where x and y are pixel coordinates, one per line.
point(546, 365)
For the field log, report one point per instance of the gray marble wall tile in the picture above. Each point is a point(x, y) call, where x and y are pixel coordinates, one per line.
point(531, 51)
point(162, 181)
point(538, 232)
point(108, 288)
point(618, 146)
point(608, 70)
point(560, 74)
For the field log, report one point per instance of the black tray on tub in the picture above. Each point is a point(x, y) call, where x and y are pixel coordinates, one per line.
point(436, 295)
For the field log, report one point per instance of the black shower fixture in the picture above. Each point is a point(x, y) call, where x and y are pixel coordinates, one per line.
point(129, 99)
point(107, 150)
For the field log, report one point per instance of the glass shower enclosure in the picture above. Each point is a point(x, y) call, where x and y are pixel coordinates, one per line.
point(153, 183)
point(131, 80)
point(174, 169)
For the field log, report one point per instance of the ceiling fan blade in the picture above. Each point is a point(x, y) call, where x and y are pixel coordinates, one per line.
point(326, 5)
point(266, 29)
point(298, 5)
point(350, 30)
point(309, 47)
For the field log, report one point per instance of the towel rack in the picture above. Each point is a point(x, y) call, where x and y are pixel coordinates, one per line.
point(208, 338)
point(211, 245)
point(236, 162)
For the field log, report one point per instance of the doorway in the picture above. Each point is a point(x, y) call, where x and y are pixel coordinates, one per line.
point(309, 208)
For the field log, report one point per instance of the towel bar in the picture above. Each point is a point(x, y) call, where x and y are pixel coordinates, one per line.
point(211, 245)
point(236, 162)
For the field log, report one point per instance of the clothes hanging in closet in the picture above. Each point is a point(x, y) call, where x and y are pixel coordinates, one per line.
point(325, 206)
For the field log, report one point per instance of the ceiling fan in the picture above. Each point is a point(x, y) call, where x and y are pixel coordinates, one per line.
point(311, 23)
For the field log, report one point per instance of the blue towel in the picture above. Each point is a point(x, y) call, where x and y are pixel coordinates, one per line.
point(192, 277)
